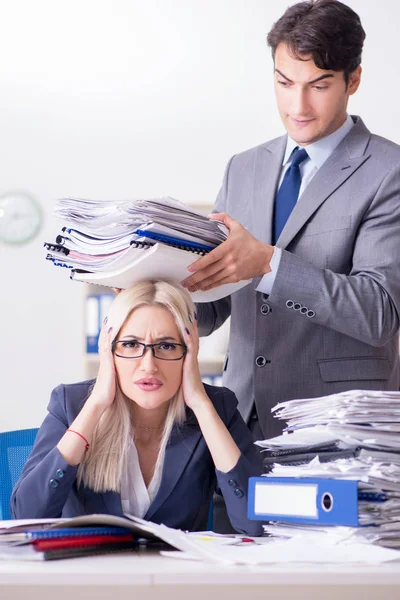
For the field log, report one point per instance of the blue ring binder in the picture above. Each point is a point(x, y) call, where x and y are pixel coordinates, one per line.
point(304, 500)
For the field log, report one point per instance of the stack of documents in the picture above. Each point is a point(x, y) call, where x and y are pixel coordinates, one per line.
point(116, 244)
point(62, 538)
point(337, 463)
point(90, 535)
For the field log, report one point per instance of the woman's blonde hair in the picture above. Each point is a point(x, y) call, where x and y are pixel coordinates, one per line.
point(101, 468)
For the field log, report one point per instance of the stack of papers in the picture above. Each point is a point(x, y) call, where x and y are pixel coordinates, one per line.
point(117, 244)
point(110, 219)
point(353, 435)
point(43, 539)
point(40, 540)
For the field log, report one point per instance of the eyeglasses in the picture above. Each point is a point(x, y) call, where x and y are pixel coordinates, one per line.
point(162, 350)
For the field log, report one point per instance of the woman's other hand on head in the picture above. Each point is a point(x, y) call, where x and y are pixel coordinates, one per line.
point(192, 385)
point(105, 387)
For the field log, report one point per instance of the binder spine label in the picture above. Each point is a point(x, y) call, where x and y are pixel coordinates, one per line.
point(304, 500)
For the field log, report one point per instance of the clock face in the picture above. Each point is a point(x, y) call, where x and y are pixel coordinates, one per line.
point(20, 217)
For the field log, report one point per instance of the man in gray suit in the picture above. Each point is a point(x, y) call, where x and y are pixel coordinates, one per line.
point(314, 220)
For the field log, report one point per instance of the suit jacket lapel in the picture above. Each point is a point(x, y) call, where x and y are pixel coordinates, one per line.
point(266, 177)
point(178, 453)
point(343, 162)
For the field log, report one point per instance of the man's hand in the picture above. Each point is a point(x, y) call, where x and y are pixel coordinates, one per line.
point(240, 257)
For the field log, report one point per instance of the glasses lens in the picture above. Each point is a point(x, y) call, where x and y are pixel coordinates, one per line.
point(168, 351)
point(129, 349)
point(134, 349)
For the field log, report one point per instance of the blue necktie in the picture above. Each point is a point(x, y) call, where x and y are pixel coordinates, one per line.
point(288, 193)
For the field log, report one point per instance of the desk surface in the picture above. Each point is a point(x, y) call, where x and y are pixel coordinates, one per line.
point(150, 575)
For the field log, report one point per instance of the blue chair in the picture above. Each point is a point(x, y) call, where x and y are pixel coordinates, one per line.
point(15, 447)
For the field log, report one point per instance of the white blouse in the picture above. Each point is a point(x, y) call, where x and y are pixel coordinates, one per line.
point(135, 496)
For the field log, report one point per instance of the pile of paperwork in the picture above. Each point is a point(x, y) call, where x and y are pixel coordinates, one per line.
point(117, 244)
point(33, 541)
point(354, 435)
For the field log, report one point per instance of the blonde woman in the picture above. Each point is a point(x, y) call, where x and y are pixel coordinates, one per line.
point(147, 437)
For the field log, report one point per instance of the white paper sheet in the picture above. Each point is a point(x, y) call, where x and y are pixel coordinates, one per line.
point(297, 550)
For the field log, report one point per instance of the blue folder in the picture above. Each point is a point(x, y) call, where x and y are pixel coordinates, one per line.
point(305, 500)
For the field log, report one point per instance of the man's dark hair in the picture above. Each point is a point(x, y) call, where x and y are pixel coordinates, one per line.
point(327, 30)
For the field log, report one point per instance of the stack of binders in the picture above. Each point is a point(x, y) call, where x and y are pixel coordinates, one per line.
point(80, 536)
point(116, 244)
point(52, 544)
point(337, 463)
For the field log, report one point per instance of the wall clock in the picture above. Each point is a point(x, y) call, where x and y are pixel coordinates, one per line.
point(20, 217)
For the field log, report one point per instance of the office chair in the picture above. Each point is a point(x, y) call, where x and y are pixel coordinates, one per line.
point(15, 447)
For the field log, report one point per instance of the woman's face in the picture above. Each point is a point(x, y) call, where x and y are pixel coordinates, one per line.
point(148, 381)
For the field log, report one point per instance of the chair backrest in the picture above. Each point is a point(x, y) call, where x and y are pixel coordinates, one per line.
point(15, 447)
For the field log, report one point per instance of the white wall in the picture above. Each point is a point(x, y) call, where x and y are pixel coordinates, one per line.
point(129, 98)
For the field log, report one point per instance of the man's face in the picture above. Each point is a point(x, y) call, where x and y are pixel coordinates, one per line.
point(312, 102)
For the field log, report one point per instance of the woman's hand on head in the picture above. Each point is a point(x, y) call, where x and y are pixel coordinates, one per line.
point(192, 385)
point(103, 393)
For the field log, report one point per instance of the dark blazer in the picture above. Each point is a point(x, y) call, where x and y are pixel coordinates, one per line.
point(47, 487)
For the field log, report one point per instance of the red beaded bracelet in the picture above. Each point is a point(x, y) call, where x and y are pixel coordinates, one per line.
point(80, 435)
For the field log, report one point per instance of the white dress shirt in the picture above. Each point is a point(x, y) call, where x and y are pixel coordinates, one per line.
point(318, 153)
point(135, 496)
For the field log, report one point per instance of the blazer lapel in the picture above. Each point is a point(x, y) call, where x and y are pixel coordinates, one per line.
point(343, 162)
point(266, 177)
point(178, 453)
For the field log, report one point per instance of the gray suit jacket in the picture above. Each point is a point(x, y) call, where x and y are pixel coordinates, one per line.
point(47, 487)
point(331, 321)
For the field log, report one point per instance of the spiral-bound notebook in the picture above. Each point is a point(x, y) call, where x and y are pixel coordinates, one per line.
point(157, 261)
point(62, 256)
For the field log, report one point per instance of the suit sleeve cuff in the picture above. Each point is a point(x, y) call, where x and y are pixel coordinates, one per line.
point(266, 282)
point(234, 488)
point(43, 492)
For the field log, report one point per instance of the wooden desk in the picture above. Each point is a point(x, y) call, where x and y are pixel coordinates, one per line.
point(148, 576)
